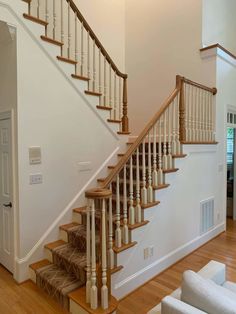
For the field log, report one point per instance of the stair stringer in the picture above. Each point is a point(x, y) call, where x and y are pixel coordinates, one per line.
point(174, 229)
point(41, 205)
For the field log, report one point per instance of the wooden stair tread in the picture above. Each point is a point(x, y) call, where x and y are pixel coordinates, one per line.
point(148, 205)
point(160, 186)
point(124, 247)
point(35, 19)
point(79, 297)
point(40, 264)
point(123, 133)
point(104, 108)
point(68, 226)
point(199, 143)
point(170, 170)
point(116, 269)
point(88, 92)
point(79, 77)
point(80, 210)
point(53, 245)
point(138, 224)
point(63, 59)
point(120, 154)
point(51, 41)
point(179, 156)
point(113, 121)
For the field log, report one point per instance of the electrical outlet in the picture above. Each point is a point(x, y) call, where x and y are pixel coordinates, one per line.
point(146, 253)
point(36, 178)
point(151, 251)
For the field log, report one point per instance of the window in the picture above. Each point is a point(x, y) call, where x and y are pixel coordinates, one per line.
point(230, 146)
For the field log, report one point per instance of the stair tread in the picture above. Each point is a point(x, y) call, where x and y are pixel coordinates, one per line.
point(114, 121)
point(69, 226)
point(79, 77)
point(79, 297)
point(104, 108)
point(35, 19)
point(80, 210)
point(51, 41)
point(161, 186)
point(40, 264)
point(57, 282)
point(88, 92)
point(170, 170)
point(63, 59)
point(116, 269)
point(124, 247)
point(138, 224)
point(55, 244)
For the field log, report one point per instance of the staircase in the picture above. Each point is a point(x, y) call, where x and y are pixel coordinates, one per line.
point(78, 267)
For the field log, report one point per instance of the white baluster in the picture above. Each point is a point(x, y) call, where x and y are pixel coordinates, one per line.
point(144, 189)
point(94, 66)
point(174, 129)
point(154, 173)
point(138, 210)
point(110, 94)
point(110, 236)
point(190, 113)
point(120, 100)
point(62, 25)
point(100, 76)
point(88, 59)
point(105, 83)
point(104, 290)
point(169, 157)
point(149, 189)
point(118, 230)
point(213, 117)
point(47, 13)
point(164, 157)
point(88, 255)
point(115, 108)
point(76, 40)
point(178, 146)
point(131, 194)
point(38, 8)
point(94, 292)
point(160, 172)
point(125, 220)
point(82, 50)
point(54, 19)
point(69, 33)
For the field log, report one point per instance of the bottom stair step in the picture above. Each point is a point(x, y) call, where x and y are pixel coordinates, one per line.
point(57, 283)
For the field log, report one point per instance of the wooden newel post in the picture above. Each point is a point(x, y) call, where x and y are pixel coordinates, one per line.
point(182, 126)
point(97, 294)
point(125, 119)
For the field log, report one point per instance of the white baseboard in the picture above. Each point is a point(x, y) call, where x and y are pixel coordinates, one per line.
point(131, 283)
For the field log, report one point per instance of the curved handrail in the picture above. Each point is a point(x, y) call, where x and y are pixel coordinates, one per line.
point(94, 37)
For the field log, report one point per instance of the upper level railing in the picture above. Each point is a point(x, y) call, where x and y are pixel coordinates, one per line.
point(66, 26)
point(187, 116)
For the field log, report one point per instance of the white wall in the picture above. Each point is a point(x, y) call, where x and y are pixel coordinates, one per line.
point(163, 39)
point(104, 15)
point(174, 228)
point(219, 23)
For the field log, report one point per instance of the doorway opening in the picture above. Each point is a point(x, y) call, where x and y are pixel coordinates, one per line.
point(8, 107)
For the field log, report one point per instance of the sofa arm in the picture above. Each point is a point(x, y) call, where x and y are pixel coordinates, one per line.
point(170, 305)
point(215, 271)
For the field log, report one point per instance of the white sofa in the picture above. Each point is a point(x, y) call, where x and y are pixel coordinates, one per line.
point(172, 304)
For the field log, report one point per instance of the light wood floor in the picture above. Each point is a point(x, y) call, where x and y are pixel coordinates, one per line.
point(28, 299)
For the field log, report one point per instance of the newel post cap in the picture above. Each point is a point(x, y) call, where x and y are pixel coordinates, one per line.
point(98, 193)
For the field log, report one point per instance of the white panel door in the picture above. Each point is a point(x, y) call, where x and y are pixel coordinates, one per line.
point(6, 211)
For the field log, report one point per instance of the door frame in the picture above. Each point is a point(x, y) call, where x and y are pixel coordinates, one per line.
point(10, 114)
point(232, 110)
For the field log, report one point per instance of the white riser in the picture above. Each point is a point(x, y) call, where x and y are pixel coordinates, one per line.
point(32, 275)
point(77, 218)
point(63, 235)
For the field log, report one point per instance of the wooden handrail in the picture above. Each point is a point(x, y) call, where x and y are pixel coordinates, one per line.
point(94, 37)
point(139, 140)
point(187, 81)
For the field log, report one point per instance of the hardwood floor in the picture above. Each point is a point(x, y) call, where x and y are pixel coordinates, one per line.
point(28, 299)
point(222, 249)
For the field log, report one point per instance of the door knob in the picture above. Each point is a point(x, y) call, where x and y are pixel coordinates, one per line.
point(8, 205)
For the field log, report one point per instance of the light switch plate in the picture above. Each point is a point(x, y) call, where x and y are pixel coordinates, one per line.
point(36, 178)
point(85, 166)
